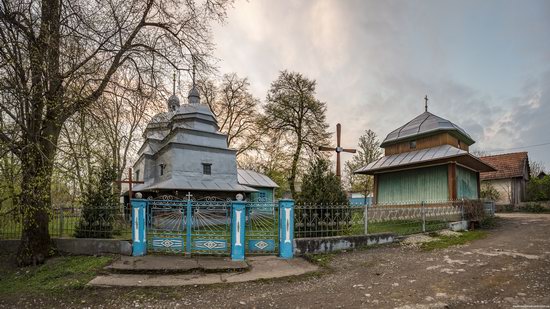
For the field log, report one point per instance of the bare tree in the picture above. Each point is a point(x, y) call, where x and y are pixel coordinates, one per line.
point(58, 57)
point(368, 151)
point(293, 110)
point(235, 109)
point(535, 168)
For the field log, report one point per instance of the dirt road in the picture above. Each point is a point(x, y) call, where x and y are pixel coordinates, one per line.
point(510, 267)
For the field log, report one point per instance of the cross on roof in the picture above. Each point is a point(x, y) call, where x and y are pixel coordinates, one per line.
point(338, 149)
point(426, 104)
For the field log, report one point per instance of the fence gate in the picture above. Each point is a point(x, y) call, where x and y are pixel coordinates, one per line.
point(188, 226)
point(262, 228)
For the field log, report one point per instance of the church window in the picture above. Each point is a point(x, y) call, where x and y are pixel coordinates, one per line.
point(207, 168)
point(412, 144)
point(162, 167)
point(137, 174)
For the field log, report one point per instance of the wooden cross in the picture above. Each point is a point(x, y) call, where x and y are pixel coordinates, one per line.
point(129, 182)
point(338, 149)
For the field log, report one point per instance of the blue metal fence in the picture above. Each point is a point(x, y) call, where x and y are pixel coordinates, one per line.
point(212, 226)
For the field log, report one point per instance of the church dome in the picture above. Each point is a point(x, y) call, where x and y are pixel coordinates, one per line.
point(173, 102)
point(194, 96)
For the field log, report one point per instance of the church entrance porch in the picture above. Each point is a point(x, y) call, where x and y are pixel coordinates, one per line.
point(212, 226)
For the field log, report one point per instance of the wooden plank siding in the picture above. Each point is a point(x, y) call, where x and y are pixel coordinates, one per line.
point(426, 142)
point(423, 184)
point(466, 183)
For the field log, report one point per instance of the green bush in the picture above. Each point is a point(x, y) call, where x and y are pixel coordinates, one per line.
point(99, 206)
point(538, 189)
point(534, 207)
point(328, 212)
point(321, 186)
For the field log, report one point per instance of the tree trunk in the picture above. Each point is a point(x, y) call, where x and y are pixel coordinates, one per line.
point(35, 203)
point(35, 199)
point(294, 168)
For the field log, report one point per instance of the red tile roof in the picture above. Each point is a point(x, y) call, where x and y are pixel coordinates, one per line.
point(508, 165)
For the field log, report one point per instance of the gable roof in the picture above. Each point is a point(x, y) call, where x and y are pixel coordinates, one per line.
point(419, 158)
point(254, 179)
point(508, 165)
point(425, 124)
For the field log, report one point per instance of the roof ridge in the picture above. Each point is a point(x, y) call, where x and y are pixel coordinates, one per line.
point(505, 154)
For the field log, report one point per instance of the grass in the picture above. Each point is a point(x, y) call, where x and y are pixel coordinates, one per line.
point(59, 274)
point(447, 241)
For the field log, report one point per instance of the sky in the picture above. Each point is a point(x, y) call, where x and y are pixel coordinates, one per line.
point(485, 65)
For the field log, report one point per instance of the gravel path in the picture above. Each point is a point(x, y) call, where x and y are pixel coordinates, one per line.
point(511, 267)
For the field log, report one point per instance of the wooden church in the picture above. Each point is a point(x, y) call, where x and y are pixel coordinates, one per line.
point(426, 160)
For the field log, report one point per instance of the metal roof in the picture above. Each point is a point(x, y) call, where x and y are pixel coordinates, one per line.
point(422, 156)
point(424, 124)
point(182, 184)
point(254, 179)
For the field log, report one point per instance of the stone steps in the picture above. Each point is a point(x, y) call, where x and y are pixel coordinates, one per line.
point(175, 264)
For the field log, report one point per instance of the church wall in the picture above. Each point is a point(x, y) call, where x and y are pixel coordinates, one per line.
point(466, 182)
point(189, 163)
point(427, 184)
point(426, 142)
point(200, 138)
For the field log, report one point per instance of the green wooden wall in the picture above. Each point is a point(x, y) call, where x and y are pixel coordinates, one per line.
point(424, 184)
point(263, 195)
point(466, 182)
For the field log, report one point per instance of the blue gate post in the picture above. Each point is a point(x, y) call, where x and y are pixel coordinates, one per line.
point(286, 229)
point(139, 240)
point(237, 230)
point(188, 225)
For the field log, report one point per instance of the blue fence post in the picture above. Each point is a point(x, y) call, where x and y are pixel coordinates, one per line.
point(139, 240)
point(237, 230)
point(188, 225)
point(286, 229)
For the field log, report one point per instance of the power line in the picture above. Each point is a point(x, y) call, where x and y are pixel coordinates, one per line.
point(516, 148)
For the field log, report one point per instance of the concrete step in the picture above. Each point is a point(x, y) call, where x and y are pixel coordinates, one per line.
point(175, 264)
point(261, 267)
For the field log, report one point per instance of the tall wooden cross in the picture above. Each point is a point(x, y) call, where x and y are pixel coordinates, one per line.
point(129, 181)
point(338, 149)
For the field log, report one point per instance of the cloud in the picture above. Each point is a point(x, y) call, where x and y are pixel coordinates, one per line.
point(483, 65)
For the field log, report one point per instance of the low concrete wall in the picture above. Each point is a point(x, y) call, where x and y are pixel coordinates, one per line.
point(81, 246)
point(315, 245)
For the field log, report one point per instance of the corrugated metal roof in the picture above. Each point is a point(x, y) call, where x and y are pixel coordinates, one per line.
point(413, 157)
point(182, 184)
point(254, 179)
point(424, 123)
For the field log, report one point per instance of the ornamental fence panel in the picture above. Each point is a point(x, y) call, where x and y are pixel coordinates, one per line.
point(325, 220)
point(262, 228)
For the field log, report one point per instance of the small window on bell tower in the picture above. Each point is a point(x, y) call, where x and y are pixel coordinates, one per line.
point(412, 144)
point(162, 168)
point(459, 145)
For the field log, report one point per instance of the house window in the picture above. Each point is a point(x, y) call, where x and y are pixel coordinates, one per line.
point(162, 167)
point(207, 168)
point(412, 144)
point(262, 197)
